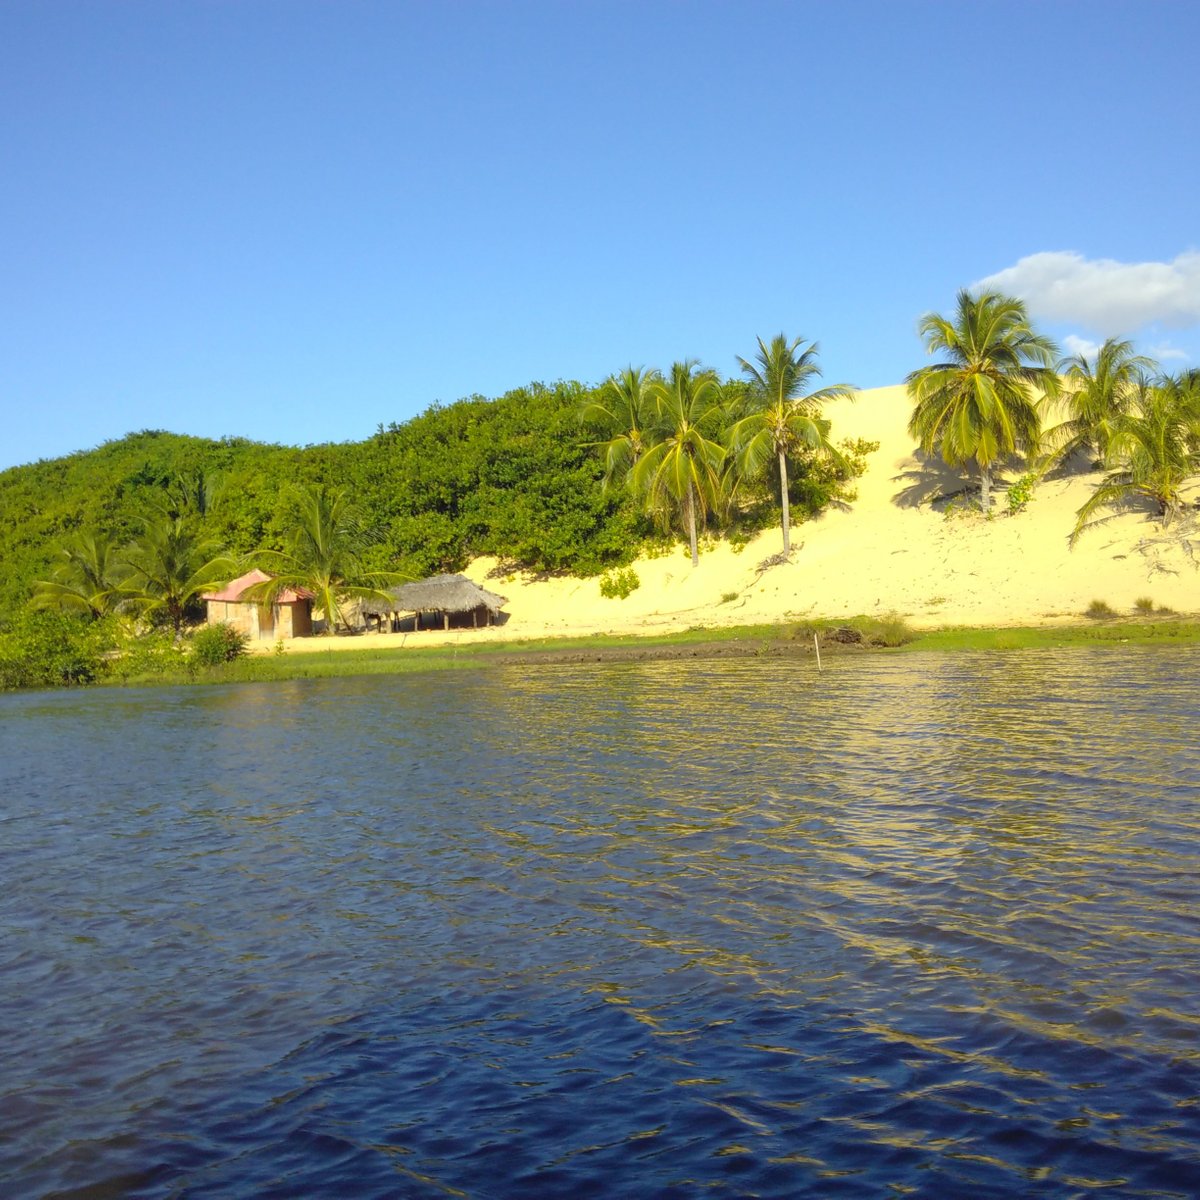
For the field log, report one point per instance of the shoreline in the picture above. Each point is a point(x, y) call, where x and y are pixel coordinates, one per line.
point(746, 642)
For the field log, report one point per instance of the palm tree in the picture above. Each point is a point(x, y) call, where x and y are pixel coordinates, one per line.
point(170, 565)
point(624, 409)
point(784, 416)
point(325, 556)
point(88, 580)
point(1152, 450)
point(683, 469)
point(1097, 396)
point(196, 491)
point(980, 402)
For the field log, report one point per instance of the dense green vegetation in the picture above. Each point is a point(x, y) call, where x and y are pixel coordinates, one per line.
point(144, 525)
point(511, 477)
point(104, 550)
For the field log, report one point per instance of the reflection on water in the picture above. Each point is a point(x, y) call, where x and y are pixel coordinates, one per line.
point(922, 925)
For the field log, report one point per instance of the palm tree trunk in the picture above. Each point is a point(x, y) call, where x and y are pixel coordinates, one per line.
point(691, 520)
point(329, 603)
point(786, 504)
point(985, 488)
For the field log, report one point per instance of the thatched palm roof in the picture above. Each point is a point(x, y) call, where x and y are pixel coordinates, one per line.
point(440, 593)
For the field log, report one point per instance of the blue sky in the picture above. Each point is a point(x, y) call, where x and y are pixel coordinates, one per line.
point(294, 221)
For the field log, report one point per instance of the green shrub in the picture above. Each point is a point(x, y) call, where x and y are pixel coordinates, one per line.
point(818, 482)
point(1144, 604)
point(52, 649)
point(888, 630)
point(728, 597)
point(1021, 492)
point(216, 644)
point(1099, 610)
point(616, 585)
point(148, 656)
point(960, 506)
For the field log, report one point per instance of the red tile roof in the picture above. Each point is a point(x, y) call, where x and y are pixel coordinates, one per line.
point(234, 589)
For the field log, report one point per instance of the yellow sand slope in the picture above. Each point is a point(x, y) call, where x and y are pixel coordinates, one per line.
point(890, 551)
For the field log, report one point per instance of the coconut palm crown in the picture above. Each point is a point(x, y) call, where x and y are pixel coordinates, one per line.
point(979, 403)
point(89, 578)
point(170, 565)
point(624, 412)
point(784, 416)
point(1097, 395)
point(1153, 451)
point(324, 556)
point(682, 470)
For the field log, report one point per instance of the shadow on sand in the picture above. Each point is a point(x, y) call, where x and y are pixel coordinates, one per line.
point(929, 481)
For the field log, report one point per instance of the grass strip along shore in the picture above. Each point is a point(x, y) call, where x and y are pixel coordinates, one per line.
point(851, 636)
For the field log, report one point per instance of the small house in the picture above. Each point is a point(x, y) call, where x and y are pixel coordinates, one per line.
point(288, 615)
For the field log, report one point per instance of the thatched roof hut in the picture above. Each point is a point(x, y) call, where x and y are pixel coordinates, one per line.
point(445, 594)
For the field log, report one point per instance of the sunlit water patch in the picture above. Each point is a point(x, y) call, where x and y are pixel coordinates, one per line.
point(915, 926)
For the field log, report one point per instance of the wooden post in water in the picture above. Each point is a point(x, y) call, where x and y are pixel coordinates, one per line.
point(817, 648)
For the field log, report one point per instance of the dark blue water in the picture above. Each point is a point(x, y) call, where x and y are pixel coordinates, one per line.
point(917, 926)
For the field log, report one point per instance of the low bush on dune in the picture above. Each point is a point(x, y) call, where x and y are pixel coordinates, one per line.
point(1020, 493)
point(1145, 606)
point(616, 585)
point(889, 630)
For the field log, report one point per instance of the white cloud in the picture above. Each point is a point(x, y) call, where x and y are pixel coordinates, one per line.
point(1165, 352)
point(1105, 296)
point(1077, 345)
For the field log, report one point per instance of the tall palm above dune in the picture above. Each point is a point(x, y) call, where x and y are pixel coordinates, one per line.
point(784, 417)
point(1097, 395)
point(1154, 449)
point(979, 402)
point(682, 471)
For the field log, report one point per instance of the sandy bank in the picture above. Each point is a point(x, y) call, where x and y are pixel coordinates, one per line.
point(892, 550)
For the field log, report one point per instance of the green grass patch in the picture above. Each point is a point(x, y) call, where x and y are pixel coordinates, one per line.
point(1026, 638)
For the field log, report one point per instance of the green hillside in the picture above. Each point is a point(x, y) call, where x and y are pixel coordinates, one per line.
point(511, 477)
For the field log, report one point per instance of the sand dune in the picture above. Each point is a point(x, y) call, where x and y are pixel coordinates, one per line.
point(892, 550)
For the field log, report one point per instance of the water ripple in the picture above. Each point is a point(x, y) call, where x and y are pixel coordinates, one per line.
point(922, 926)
